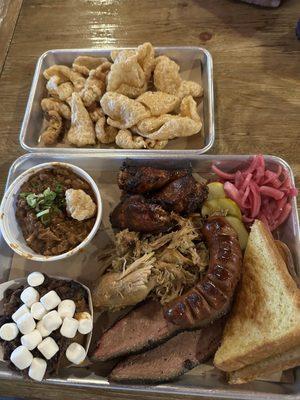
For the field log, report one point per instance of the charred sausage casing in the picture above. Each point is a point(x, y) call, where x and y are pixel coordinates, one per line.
point(211, 297)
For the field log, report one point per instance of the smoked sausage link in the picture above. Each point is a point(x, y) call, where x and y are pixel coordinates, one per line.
point(211, 297)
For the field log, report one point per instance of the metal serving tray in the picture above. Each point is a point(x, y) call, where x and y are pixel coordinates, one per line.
point(196, 64)
point(104, 170)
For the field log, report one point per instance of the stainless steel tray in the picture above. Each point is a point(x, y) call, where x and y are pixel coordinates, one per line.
point(196, 64)
point(104, 170)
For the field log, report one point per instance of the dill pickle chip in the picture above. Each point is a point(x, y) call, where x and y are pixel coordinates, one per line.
point(215, 191)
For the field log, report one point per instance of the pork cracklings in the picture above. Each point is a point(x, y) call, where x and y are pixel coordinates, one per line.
point(143, 101)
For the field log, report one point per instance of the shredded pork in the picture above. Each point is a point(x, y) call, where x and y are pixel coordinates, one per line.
point(174, 262)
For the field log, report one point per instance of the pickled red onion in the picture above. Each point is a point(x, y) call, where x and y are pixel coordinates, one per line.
point(259, 192)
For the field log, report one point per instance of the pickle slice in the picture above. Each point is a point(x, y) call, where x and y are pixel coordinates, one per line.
point(216, 191)
point(221, 207)
point(240, 229)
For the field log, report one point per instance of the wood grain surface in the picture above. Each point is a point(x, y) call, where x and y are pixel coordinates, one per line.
point(9, 12)
point(256, 74)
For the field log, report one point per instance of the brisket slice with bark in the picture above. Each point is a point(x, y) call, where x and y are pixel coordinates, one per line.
point(171, 359)
point(143, 328)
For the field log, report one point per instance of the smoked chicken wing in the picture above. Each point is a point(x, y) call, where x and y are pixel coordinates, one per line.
point(183, 196)
point(134, 179)
point(136, 214)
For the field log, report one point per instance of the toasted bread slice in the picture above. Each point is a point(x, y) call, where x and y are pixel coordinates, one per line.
point(288, 259)
point(265, 319)
point(281, 362)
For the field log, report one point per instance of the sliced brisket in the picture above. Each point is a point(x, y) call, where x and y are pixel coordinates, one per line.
point(171, 359)
point(142, 328)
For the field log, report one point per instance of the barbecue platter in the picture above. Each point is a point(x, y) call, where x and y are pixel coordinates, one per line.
point(181, 251)
point(142, 269)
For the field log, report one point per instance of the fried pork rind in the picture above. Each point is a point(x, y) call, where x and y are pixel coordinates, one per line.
point(53, 129)
point(126, 140)
point(65, 74)
point(168, 126)
point(122, 55)
point(156, 144)
point(131, 70)
point(105, 133)
point(95, 113)
point(82, 132)
point(168, 80)
point(79, 205)
point(95, 84)
point(127, 77)
point(145, 57)
point(84, 64)
point(176, 127)
point(61, 91)
point(189, 88)
point(159, 103)
point(122, 111)
point(166, 75)
point(49, 104)
point(152, 124)
point(188, 108)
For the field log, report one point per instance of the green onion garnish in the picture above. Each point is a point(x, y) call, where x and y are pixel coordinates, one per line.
point(47, 203)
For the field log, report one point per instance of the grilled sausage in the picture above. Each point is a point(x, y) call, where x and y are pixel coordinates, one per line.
point(211, 297)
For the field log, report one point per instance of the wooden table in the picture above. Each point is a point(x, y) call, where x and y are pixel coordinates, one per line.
point(256, 73)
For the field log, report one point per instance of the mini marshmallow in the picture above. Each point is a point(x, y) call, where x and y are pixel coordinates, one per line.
point(66, 308)
point(29, 296)
point(20, 312)
point(32, 339)
point(9, 331)
point(52, 321)
point(48, 348)
point(35, 279)
point(21, 357)
point(37, 369)
point(69, 327)
point(75, 353)
point(50, 300)
point(85, 322)
point(38, 311)
point(26, 324)
point(43, 331)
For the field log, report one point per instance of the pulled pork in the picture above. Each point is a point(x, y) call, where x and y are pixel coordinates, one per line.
point(174, 262)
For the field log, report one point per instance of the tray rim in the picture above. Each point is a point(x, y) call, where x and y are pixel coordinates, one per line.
point(166, 389)
point(211, 114)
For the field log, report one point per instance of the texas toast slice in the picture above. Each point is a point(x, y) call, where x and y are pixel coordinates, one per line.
point(265, 320)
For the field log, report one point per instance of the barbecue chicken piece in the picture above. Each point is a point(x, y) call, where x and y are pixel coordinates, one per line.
point(116, 290)
point(134, 179)
point(136, 214)
point(183, 196)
